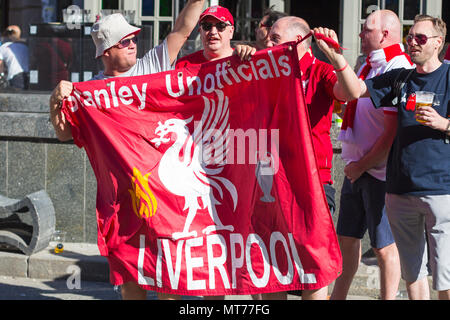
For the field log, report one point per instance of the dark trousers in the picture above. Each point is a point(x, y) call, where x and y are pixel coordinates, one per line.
point(20, 81)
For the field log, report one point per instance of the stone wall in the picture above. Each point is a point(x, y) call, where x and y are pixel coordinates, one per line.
point(31, 159)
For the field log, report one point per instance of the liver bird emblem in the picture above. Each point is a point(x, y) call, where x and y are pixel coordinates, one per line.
point(192, 165)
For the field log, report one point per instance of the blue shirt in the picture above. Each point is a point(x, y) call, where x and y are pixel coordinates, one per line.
point(419, 160)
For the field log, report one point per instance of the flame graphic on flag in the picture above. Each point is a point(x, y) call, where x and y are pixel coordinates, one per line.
point(142, 198)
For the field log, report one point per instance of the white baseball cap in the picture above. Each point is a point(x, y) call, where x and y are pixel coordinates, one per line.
point(109, 30)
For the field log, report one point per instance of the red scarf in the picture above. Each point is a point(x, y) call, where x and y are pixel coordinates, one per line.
point(350, 111)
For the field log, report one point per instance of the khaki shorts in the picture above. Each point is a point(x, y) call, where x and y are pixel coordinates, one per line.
point(415, 220)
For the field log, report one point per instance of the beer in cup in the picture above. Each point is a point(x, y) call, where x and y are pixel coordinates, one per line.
point(424, 99)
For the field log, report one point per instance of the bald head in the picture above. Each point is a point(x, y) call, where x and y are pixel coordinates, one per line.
point(290, 29)
point(381, 29)
point(294, 26)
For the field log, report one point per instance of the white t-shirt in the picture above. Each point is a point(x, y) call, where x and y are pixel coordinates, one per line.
point(369, 122)
point(15, 57)
point(156, 60)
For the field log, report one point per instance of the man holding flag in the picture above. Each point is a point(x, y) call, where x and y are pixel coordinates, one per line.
point(322, 84)
point(115, 42)
point(216, 28)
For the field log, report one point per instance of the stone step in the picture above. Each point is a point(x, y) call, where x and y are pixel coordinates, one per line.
point(367, 282)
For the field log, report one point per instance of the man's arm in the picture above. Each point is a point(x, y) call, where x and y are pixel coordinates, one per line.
point(244, 51)
point(364, 92)
point(185, 23)
point(348, 86)
point(62, 126)
point(379, 151)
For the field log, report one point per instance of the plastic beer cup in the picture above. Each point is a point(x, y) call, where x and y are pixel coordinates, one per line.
point(424, 99)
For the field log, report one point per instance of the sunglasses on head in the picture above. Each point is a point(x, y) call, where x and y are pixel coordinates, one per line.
point(125, 43)
point(420, 39)
point(220, 26)
point(263, 25)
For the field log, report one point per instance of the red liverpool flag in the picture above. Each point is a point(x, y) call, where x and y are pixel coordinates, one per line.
point(207, 183)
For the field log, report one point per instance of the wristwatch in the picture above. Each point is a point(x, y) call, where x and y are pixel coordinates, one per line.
point(447, 131)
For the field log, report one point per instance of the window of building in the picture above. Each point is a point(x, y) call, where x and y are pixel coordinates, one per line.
point(247, 15)
point(159, 15)
point(110, 4)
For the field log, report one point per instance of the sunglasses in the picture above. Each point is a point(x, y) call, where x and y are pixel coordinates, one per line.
point(220, 26)
point(420, 39)
point(263, 25)
point(125, 43)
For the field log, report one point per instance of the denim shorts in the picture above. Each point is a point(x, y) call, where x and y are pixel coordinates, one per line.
point(330, 195)
point(362, 209)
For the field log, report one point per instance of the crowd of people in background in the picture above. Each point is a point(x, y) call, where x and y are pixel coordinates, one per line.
point(14, 57)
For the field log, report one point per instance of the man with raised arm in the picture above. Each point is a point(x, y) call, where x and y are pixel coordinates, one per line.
point(322, 84)
point(367, 134)
point(115, 42)
point(418, 167)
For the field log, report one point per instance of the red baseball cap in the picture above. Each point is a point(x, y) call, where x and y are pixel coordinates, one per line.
point(218, 12)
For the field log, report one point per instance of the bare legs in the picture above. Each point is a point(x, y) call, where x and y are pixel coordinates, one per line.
point(131, 291)
point(351, 256)
point(388, 261)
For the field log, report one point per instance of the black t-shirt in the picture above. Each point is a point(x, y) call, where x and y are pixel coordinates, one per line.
point(419, 160)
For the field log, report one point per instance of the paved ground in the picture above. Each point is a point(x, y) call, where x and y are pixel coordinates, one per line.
point(17, 288)
point(80, 273)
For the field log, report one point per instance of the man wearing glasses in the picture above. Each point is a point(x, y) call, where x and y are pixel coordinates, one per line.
point(418, 168)
point(367, 134)
point(115, 42)
point(216, 28)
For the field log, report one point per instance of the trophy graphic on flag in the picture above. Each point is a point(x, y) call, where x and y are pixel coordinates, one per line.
point(264, 175)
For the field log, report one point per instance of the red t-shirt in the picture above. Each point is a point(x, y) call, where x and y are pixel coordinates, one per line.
point(193, 58)
point(318, 80)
